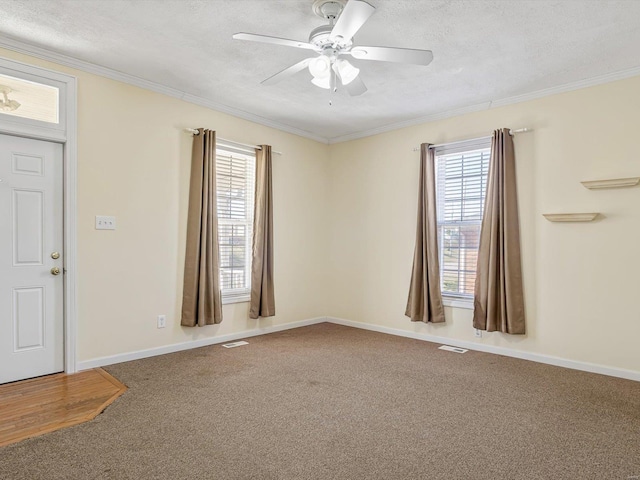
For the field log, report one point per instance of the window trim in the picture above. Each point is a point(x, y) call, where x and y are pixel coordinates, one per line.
point(457, 299)
point(21, 126)
point(229, 299)
point(230, 296)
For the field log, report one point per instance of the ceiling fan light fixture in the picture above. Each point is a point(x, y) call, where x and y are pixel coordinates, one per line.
point(329, 42)
point(322, 82)
point(348, 73)
point(320, 67)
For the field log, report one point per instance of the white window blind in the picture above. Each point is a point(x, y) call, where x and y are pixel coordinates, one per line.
point(461, 180)
point(235, 191)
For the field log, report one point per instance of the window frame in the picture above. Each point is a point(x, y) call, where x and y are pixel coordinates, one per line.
point(238, 295)
point(21, 126)
point(457, 299)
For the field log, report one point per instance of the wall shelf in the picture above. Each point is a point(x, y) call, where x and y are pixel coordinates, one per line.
point(612, 183)
point(570, 217)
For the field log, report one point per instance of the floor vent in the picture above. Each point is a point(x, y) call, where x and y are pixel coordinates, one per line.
point(449, 348)
point(235, 344)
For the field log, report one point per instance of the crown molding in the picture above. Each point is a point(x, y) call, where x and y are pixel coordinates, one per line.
point(411, 123)
point(60, 59)
point(567, 87)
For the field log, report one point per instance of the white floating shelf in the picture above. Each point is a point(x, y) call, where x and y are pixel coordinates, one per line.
point(570, 217)
point(612, 183)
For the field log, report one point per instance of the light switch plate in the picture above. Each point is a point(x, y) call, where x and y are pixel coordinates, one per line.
point(105, 223)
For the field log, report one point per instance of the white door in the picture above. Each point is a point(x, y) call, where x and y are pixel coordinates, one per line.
point(31, 289)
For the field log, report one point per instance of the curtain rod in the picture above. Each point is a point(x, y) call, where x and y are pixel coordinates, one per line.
point(511, 132)
point(195, 131)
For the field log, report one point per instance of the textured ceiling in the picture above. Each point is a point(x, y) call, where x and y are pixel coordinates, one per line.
point(484, 50)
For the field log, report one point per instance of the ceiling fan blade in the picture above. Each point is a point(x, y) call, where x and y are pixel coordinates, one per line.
point(354, 15)
point(252, 37)
point(356, 87)
point(287, 72)
point(391, 54)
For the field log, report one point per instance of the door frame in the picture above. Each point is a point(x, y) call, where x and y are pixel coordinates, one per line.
point(65, 133)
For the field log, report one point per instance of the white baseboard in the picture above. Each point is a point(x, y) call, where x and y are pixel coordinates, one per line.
point(203, 342)
point(508, 352)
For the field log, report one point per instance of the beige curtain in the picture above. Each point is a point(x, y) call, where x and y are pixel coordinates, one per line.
point(499, 300)
point(262, 294)
point(425, 298)
point(201, 298)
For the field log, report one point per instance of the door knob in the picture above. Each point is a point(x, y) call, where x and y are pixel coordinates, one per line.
point(55, 271)
point(55, 255)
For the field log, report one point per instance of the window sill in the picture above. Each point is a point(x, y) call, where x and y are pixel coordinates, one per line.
point(457, 302)
point(236, 299)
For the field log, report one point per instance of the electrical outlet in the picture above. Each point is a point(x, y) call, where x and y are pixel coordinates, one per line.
point(105, 223)
point(478, 333)
point(162, 321)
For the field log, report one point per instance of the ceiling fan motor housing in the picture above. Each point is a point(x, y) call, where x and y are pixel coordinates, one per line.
point(319, 36)
point(329, 10)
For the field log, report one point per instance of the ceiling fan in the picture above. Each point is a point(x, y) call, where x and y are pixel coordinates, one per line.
point(335, 40)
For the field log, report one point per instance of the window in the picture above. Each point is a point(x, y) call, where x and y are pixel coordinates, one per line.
point(235, 191)
point(461, 179)
point(23, 98)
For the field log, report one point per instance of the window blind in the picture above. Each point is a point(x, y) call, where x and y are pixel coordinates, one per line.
point(461, 179)
point(235, 186)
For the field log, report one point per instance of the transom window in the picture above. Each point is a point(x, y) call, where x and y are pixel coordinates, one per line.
point(235, 195)
point(461, 180)
point(26, 99)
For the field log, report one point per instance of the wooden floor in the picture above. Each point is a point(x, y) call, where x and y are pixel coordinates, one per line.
point(41, 405)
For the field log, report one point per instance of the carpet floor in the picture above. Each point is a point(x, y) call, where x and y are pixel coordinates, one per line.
point(333, 402)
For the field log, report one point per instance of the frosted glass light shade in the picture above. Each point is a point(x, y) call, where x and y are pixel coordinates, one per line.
point(322, 82)
point(320, 67)
point(348, 72)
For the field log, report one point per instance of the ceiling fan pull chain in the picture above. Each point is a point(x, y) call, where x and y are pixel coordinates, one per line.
point(332, 82)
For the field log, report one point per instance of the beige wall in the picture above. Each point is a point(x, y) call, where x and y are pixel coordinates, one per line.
point(345, 221)
point(581, 280)
point(133, 162)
